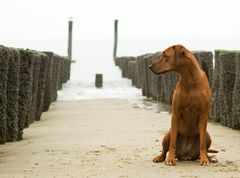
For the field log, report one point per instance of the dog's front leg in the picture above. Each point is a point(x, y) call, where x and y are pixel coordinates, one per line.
point(173, 137)
point(202, 132)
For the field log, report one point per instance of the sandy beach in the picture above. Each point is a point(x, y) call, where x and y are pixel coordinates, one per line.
point(108, 138)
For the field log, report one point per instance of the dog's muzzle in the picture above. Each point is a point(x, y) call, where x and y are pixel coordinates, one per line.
point(151, 67)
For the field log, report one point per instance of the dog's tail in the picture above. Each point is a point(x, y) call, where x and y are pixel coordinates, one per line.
point(212, 151)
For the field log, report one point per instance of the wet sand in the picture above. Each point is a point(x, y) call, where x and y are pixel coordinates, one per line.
point(108, 138)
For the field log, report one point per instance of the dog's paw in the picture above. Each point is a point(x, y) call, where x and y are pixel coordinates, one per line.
point(170, 161)
point(204, 161)
point(159, 159)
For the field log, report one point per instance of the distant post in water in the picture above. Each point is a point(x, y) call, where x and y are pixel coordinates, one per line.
point(98, 80)
point(70, 24)
point(115, 39)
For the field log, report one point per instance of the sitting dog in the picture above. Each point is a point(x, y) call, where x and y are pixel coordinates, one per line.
point(187, 138)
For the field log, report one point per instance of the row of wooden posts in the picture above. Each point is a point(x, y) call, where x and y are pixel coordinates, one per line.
point(29, 83)
point(223, 76)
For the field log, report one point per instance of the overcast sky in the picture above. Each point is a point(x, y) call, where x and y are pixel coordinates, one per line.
point(42, 24)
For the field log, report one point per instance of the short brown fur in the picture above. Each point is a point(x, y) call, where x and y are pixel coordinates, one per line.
point(188, 138)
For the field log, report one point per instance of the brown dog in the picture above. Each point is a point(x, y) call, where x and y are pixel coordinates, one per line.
point(188, 138)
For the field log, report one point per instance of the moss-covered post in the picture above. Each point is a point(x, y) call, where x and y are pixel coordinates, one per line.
point(35, 77)
point(115, 39)
point(235, 98)
point(70, 25)
point(227, 83)
point(41, 85)
point(215, 87)
point(4, 57)
point(25, 89)
point(49, 82)
point(12, 94)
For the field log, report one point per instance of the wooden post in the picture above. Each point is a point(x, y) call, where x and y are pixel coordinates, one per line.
point(115, 39)
point(98, 80)
point(70, 24)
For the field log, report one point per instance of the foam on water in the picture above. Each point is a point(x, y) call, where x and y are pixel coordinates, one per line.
point(79, 90)
point(81, 86)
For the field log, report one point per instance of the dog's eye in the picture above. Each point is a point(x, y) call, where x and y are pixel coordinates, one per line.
point(166, 57)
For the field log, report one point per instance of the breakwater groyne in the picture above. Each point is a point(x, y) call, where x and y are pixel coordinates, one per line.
point(29, 83)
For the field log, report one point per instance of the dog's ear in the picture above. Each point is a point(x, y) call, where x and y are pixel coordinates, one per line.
point(179, 51)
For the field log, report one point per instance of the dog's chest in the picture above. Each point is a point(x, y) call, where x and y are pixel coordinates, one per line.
point(189, 114)
point(188, 107)
point(188, 120)
point(191, 101)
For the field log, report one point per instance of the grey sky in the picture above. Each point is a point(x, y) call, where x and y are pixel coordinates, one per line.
point(42, 24)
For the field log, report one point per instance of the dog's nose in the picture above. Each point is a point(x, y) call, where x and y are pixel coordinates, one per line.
point(150, 66)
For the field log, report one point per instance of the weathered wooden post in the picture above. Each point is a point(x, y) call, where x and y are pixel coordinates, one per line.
point(98, 80)
point(70, 24)
point(115, 39)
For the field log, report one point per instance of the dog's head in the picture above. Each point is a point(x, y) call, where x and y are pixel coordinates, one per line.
point(169, 60)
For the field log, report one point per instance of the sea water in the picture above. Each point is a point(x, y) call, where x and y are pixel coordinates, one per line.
point(95, 59)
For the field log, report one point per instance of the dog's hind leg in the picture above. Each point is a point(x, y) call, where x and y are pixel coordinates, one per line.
point(165, 146)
